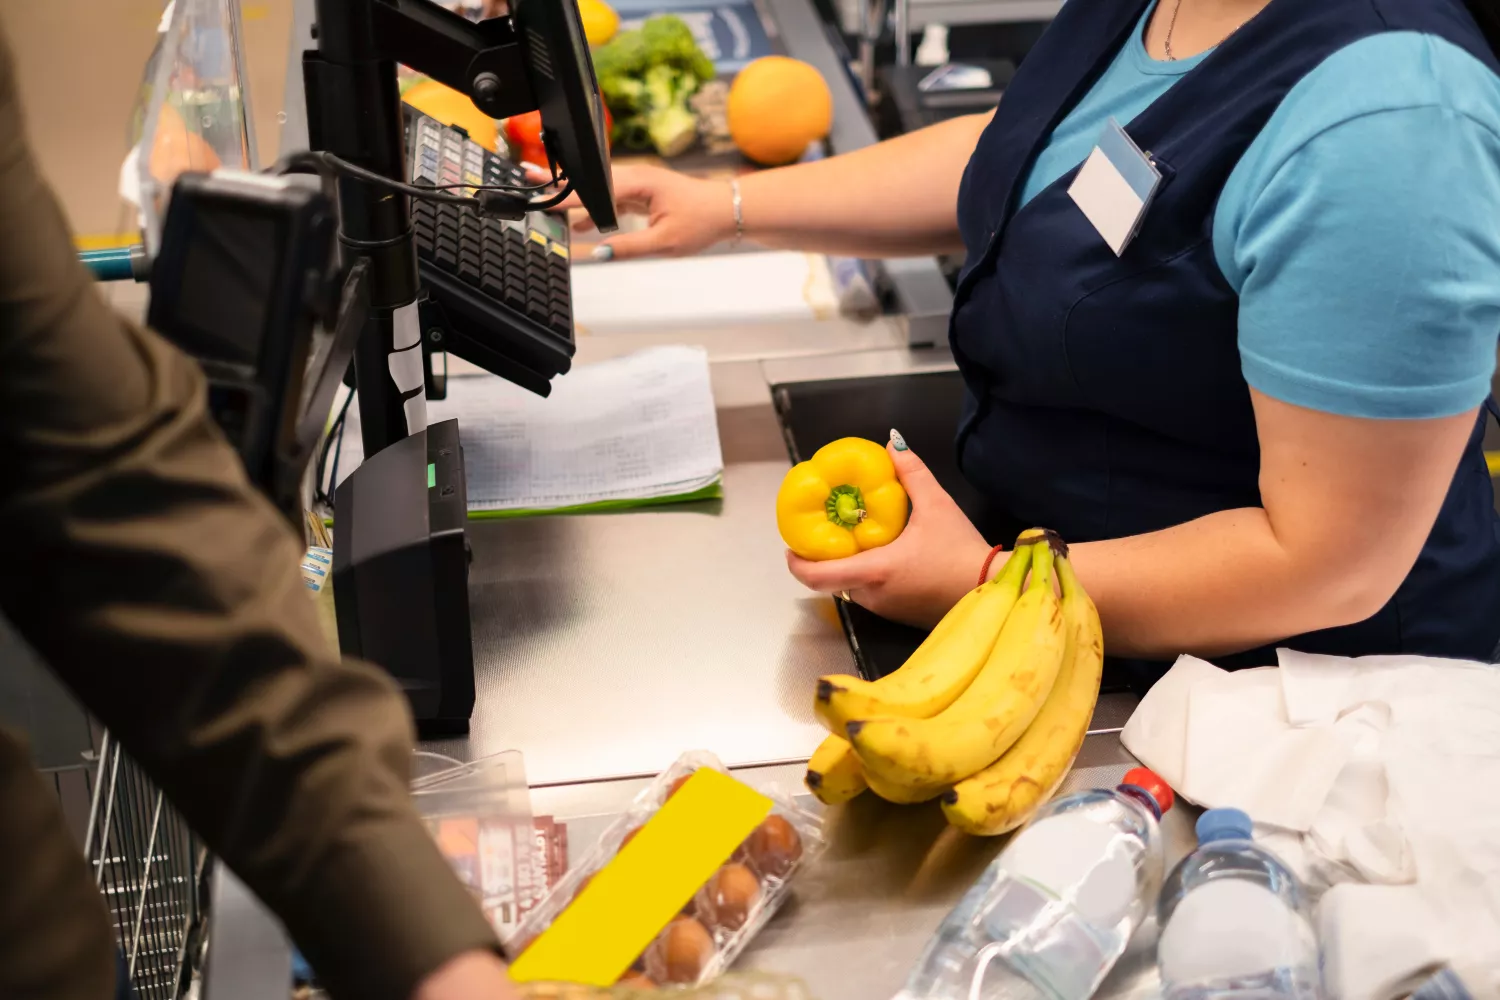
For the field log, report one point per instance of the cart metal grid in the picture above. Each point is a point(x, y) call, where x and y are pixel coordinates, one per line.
point(149, 867)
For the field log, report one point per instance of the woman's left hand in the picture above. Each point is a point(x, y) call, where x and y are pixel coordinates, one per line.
point(923, 573)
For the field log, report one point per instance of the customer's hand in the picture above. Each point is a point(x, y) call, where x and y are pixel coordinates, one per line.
point(473, 975)
point(920, 575)
point(685, 214)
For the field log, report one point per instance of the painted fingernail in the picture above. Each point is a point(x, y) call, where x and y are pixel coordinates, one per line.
point(897, 441)
point(603, 252)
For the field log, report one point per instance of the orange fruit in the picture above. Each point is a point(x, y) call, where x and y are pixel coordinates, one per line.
point(176, 149)
point(777, 107)
point(448, 106)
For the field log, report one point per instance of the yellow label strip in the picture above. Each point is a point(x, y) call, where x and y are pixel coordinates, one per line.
point(632, 898)
point(106, 241)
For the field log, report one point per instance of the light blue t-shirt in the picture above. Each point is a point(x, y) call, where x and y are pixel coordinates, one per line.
point(1361, 228)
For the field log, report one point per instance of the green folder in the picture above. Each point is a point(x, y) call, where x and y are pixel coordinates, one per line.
point(712, 491)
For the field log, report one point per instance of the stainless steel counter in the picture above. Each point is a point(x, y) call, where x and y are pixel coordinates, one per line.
point(607, 644)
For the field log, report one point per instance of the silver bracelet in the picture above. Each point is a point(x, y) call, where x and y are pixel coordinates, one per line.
point(739, 209)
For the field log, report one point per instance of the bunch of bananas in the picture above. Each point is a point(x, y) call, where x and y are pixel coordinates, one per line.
point(987, 714)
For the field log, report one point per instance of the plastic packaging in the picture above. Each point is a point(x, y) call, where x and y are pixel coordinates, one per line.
point(725, 912)
point(196, 114)
point(753, 985)
point(1050, 915)
point(1234, 921)
point(480, 815)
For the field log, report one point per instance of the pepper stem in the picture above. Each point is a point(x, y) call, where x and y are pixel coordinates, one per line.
point(845, 506)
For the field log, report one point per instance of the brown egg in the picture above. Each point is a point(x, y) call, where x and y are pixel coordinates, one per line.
point(773, 847)
point(637, 980)
point(727, 898)
point(680, 953)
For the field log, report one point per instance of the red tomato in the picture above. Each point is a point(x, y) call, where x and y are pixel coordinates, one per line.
point(524, 135)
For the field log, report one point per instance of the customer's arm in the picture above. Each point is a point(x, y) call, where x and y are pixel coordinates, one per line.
point(897, 198)
point(154, 579)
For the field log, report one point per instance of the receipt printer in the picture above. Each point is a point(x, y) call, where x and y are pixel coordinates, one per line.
point(401, 574)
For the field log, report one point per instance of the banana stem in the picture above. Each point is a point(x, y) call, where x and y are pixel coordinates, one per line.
point(1041, 565)
point(1013, 574)
point(1066, 578)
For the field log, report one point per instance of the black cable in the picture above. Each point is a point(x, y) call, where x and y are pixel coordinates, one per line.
point(335, 435)
point(327, 164)
point(555, 200)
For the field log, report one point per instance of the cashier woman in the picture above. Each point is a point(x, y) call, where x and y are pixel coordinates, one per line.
point(1261, 420)
point(152, 577)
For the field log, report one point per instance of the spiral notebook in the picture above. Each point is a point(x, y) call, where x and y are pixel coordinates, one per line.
point(628, 432)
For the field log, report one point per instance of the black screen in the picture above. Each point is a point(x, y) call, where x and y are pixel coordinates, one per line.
point(228, 275)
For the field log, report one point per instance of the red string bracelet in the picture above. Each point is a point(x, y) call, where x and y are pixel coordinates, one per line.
point(984, 573)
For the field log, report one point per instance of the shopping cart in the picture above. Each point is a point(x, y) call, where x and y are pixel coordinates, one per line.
point(151, 870)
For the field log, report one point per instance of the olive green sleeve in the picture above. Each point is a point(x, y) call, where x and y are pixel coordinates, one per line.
point(164, 590)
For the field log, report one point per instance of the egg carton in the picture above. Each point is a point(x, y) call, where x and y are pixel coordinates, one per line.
point(726, 912)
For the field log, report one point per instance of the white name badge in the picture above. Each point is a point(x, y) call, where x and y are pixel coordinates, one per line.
point(1115, 187)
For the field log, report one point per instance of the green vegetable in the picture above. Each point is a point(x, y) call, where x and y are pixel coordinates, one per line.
point(646, 76)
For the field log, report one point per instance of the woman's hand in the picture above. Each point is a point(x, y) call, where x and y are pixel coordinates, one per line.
point(924, 572)
point(685, 215)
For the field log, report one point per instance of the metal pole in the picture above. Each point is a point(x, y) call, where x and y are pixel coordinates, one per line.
point(354, 111)
point(903, 32)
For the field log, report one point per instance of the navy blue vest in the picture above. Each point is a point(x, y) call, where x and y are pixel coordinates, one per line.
point(1105, 396)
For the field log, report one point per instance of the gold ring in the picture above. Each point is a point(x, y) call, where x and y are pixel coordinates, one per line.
point(845, 595)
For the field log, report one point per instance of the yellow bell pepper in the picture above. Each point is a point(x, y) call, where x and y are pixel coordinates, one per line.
point(843, 500)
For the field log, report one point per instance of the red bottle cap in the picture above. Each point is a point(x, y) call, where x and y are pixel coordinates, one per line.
point(1151, 783)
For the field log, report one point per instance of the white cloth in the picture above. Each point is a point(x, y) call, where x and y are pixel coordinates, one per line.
point(1377, 779)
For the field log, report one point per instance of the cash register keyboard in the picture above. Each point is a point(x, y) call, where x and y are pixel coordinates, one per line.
point(506, 282)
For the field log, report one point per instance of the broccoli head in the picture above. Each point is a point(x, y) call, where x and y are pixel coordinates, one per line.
point(646, 76)
point(670, 42)
point(624, 55)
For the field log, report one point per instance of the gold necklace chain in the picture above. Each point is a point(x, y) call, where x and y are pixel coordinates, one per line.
point(1172, 23)
point(1167, 45)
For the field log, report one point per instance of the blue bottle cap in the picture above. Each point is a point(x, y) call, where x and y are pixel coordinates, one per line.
point(1223, 824)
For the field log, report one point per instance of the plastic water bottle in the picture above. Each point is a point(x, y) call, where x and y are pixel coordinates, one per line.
point(1234, 921)
point(1050, 915)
